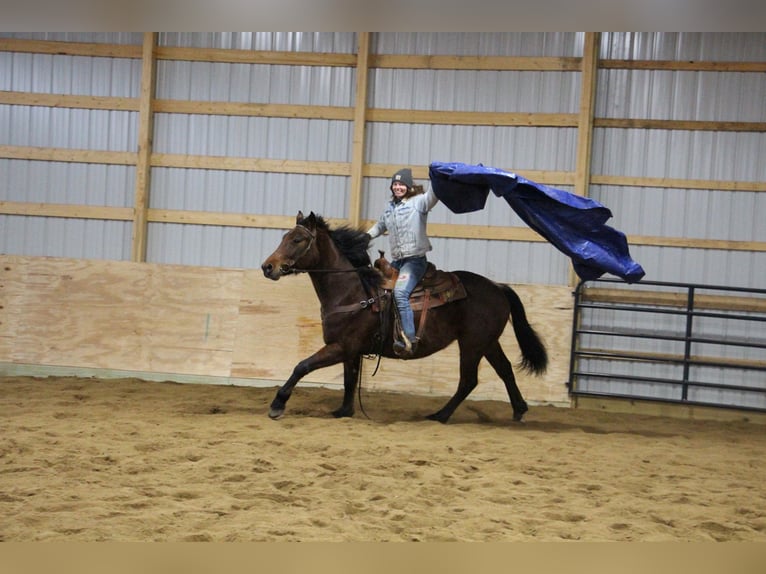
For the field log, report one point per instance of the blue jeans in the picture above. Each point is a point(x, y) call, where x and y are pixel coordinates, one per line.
point(411, 270)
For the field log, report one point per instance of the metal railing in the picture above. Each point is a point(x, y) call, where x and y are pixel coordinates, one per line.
point(593, 368)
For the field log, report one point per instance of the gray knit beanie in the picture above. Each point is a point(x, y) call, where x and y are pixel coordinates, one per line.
point(404, 176)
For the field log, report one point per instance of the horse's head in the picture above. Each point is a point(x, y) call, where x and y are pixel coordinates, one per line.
point(298, 246)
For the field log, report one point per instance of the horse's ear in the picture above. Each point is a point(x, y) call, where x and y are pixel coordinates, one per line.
point(299, 218)
point(310, 221)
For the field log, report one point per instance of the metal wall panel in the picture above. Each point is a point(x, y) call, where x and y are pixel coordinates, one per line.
point(512, 148)
point(334, 42)
point(711, 214)
point(210, 245)
point(95, 37)
point(101, 130)
point(66, 183)
point(704, 155)
point(72, 75)
point(256, 83)
point(57, 237)
point(248, 192)
point(724, 156)
point(269, 138)
point(81, 129)
point(554, 44)
point(684, 46)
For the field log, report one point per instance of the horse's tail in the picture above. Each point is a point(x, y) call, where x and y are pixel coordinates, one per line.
point(534, 356)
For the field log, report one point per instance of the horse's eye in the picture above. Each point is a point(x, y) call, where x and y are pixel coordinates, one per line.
point(298, 240)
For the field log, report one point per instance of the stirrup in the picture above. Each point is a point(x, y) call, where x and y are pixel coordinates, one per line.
point(404, 347)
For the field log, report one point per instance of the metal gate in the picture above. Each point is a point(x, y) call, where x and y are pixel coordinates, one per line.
point(672, 342)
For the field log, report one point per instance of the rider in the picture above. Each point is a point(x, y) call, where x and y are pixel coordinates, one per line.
point(405, 219)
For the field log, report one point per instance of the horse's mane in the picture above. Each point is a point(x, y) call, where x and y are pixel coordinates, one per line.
point(353, 244)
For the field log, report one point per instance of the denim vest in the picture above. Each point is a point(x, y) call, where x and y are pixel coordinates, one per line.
point(406, 222)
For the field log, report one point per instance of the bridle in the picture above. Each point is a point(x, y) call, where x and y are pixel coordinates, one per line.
point(372, 300)
point(312, 239)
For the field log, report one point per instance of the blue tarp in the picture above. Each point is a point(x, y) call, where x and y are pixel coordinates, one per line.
point(573, 224)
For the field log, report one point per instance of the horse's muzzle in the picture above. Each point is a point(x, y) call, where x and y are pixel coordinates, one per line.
point(274, 272)
point(270, 272)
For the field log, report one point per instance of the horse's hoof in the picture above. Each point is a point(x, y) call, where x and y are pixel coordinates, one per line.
point(276, 414)
point(519, 413)
point(342, 413)
point(436, 417)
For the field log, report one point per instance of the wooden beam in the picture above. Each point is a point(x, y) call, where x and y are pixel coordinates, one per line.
point(682, 125)
point(678, 65)
point(585, 116)
point(442, 117)
point(677, 183)
point(279, 58)
point(228, 219)
point(491, 63)
point(655, 356)
point(70, 48)
point(65, 101)
point(421, 172)
point(685, 242)
point(589, 75)
point(498, 233)
point(228, 163)
point(680, 299)
point(66, 211)
point(254, 110)
point(358, 142)
point(222, 219)
point(67, 155)
point(145, 138)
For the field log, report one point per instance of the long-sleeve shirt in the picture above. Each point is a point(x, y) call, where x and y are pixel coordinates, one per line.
point(405, 222)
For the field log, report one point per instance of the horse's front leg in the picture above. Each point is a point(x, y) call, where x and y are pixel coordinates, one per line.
point(351, 369)
point(324, 357)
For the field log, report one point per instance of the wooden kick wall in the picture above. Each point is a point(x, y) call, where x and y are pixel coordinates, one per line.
point(229, 326)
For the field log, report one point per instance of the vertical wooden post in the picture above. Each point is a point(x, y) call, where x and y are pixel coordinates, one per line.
point(360, 112)
point(587, 109)
point(145, 137)
point(589, 76)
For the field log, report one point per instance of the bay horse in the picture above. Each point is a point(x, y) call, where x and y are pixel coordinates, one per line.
point(348, 288)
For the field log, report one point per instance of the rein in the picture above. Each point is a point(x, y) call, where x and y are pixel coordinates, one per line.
point(295, 270)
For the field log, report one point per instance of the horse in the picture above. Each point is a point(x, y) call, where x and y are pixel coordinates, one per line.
point(350, 294)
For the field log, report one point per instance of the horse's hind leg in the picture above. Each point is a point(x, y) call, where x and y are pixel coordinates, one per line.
point(497, 358)
point(469, 378)
point(351, 369)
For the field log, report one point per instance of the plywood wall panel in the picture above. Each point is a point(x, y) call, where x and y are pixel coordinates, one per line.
point(278, 326)
point(225, 324)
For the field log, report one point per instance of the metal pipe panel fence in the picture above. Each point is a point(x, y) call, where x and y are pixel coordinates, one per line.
point(673, 342)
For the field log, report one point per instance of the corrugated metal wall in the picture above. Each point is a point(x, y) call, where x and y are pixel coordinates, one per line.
point(272, 138)
point(631, 93)
point(512, 148)
point(714, 155)
point(68, 183)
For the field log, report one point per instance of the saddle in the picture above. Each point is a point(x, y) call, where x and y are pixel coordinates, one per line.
point(435, 289)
